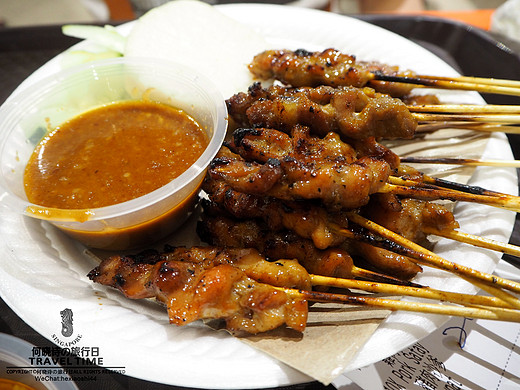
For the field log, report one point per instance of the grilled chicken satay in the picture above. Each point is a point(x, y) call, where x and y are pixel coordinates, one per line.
point(212, 283)
point(307, 237)
point(305, 219)
point(356, 113)
point(406, 217)
point(329, 67)
point(222, 231)
point(285, 244)
point(336, 184)
point(382, 260)
point(409, 217)
point(262, 144)
point(283, 273)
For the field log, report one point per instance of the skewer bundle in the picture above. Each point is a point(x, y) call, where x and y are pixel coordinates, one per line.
point(332, 67)
point(304, 177)
point(254, 295)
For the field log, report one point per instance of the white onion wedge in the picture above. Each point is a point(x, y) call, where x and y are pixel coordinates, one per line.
point(212, 43)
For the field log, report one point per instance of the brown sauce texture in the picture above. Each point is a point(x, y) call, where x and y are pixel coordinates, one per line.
point(112, 154)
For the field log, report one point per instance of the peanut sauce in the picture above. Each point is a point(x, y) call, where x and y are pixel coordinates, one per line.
point(112, 154)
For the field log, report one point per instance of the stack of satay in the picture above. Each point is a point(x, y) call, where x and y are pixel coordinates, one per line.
point(305, 204)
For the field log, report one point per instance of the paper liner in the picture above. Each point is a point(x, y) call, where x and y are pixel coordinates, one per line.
point(333, 336)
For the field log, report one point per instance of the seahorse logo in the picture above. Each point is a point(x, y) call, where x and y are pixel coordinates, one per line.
point(66, 322)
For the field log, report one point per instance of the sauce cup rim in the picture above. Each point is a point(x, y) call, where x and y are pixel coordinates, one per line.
point(206, 86)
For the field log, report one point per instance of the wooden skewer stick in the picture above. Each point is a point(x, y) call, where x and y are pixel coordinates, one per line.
point(461, 161)
point(457, 235)
point(509, 203)
point(396, 247)
point(432, 259)
point(418, 292)
point(442, 183)
point(484, 118)
point(450, 84)
point(500, 294)
point(466, 108)
point(481, 127)
point(467, 238)
point(378, 277)
point(488, 313)
point(433, 183)
point(481, 242)
point(477, 80)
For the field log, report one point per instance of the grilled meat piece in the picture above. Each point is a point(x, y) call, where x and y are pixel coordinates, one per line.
point(409, 217)
point(382, 260)
point(351, 112)
point(338, 185)
point(275, 245)
point(212, 283)
point(406, 217)
point(330, 67)
point(262, 144)
point(335, 261)
point(304, 218)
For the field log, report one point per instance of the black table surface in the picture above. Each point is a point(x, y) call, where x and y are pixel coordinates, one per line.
point(469, 50)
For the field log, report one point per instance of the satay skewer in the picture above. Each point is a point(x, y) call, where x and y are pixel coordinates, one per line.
point(332, 67)
point(466, 108)
point(471, 239)
point(329, 227)
point(432, 82)
point(489, 313)
point(477, 80)
point(186, 280)
point(426, 180)
point(422, 117)
point(427, 257)
point(462, 161)
point(418, 292)
point(475, 126)
point(506, 202)
point(419, 256)
point(433, 183)
point(456, 235)
point(448, 190)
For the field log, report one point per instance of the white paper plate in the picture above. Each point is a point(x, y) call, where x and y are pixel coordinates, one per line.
point(42, 271)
